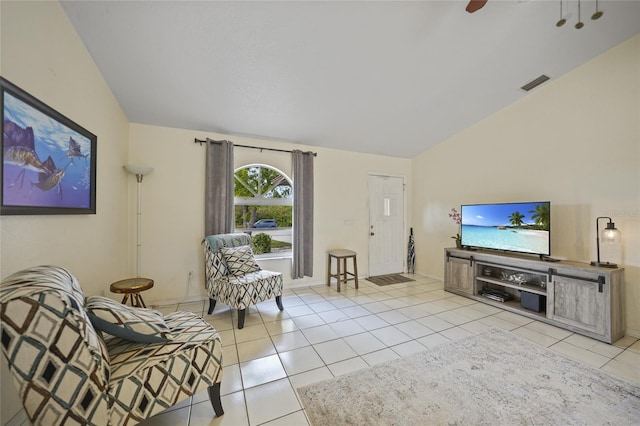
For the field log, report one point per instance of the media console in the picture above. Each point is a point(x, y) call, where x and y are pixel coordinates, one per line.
point(575, 296)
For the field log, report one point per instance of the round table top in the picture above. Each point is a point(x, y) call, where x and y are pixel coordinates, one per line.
point(342, 253)
point(131, 285)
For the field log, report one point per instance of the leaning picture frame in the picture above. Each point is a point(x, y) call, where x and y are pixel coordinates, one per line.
point(48, 161)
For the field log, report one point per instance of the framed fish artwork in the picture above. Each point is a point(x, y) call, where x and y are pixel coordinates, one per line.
point(48, 161)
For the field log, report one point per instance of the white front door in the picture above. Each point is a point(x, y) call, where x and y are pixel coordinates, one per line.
point(387, 251)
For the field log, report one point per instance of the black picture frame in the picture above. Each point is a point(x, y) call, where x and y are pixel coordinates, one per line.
point(48, 161)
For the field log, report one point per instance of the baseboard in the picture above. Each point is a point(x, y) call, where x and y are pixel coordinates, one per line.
point(632, 333)
point(19, 419)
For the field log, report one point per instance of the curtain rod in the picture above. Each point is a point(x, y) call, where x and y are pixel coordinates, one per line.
point(196, 140)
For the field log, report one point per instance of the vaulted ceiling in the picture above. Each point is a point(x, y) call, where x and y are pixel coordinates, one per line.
point(391, 78)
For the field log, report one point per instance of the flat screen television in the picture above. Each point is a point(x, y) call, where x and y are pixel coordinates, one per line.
point(517, 227)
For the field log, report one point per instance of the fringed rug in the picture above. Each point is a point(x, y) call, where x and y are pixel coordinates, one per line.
point(389, 279)
point(492, 378)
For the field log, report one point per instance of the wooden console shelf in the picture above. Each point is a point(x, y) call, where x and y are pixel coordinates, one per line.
point(575, 296)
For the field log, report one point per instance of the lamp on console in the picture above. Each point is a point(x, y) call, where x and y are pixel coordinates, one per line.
point(139, 171)
point(610, 235)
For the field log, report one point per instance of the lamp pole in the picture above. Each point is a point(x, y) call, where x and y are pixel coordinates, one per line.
point(139, 172)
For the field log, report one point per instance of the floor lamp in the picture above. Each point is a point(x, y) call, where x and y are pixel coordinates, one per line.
point(139, 171)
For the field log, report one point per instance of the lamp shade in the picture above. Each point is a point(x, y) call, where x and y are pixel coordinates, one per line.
point(610, 234)
point(138, 170)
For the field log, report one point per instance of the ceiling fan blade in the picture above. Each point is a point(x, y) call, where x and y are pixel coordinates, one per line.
point(475, 5)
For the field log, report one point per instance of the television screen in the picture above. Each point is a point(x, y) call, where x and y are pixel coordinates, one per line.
point(519, 227)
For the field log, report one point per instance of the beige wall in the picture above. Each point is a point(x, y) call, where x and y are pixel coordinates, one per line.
point(550, 145)
point(574, 141)
point(42, 54)
point(173, 205)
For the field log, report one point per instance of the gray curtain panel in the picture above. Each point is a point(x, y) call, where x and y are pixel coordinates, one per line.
point(302, 214)
point(218, 198)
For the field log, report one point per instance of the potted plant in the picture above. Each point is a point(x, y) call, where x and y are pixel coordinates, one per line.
point(457, 218)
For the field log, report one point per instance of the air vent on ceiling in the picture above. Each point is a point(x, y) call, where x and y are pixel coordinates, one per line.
point(535, 83)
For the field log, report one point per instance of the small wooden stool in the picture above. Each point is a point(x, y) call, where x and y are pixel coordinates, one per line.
point(131, 287)
point(341, 274)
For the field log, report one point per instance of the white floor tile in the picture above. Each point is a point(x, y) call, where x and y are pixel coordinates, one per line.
point(393, 317)
point(271, 401)
point(294, 419)
point(435, 323)
point(319, 334)
point(235, 412)
point(414, 329)
point(280, 327)
point(347, 366)
point(307, 321)
point(364, 343)
point(433, 340)
point(261, 370)
point(379, 357)
point(580, 354)
point(371, 322)
point(231, 380)
point(178, 417)
point(456, 333)
point(254, 349)
point(331, 316)
point(272, 355)
point(347, 327)
point(334, 351)
point(251, 332)
point(310, 377)
point(300, 360)
point(289, 341)
point(390, 336)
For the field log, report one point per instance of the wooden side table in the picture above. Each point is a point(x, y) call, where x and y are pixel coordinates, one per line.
point(131, 288)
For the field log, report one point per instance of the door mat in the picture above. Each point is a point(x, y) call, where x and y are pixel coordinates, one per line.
point(389, 279)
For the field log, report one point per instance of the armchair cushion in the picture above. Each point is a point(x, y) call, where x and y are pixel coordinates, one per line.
point(240, 260)
point(135, 324)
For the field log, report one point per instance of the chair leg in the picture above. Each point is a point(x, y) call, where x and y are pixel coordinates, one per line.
point(214, 397)
point(279, 302)
point(212, 305)
point(241, 318)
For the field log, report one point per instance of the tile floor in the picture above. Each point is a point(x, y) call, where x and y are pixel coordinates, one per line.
point(322, 333)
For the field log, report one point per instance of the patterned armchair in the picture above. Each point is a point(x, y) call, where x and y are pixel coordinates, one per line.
point(234, 278)
point(68, 372)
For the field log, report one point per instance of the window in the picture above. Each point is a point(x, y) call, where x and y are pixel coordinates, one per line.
point(263, 199)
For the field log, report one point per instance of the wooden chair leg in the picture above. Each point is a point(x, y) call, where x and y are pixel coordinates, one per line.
point(329, 270)
point(241, 313)
point(279, 302)
point(212, 306)
point(214, 397)
point(338, 276)
point(355, 270)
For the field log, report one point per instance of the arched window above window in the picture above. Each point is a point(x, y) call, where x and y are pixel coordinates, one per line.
point(263, 198)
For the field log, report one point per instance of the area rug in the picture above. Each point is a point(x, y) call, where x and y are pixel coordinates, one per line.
point(492, 378)
point(389, 279)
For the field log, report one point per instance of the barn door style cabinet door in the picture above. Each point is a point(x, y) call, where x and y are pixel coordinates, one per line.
point(572, 295)
point(459, 275)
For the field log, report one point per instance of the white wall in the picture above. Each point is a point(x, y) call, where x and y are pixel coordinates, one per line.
point(173, 204)
point(574, 141)
point(42, 54)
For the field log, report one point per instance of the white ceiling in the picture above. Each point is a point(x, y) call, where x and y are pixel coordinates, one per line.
point(391, 78)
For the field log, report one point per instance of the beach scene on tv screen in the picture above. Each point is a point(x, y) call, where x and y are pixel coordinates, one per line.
point(522, 227)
